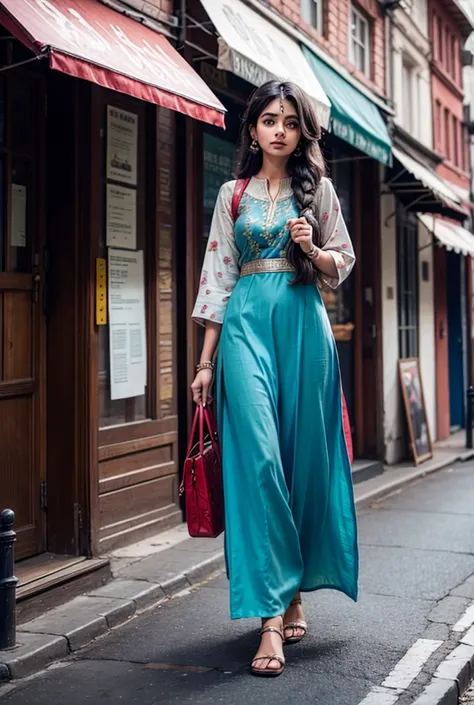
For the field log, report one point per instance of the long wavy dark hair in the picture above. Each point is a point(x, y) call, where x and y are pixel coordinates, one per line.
point(306, 169)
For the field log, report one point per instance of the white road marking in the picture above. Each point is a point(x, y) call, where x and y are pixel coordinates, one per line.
point(411, 664)
point(466, 621)
point(406, 670)
point(380, 698)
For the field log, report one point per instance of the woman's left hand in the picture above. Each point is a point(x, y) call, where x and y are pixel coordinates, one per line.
point(301, 232)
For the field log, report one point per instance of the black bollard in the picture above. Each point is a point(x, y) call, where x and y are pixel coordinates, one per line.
point(469, 416)
point(8, 581)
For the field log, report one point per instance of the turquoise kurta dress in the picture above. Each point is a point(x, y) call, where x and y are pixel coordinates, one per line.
point(289, 505)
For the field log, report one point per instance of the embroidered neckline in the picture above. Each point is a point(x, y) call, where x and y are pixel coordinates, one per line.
point(258, 188)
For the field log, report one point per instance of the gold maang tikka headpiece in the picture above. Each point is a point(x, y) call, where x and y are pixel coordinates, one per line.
point(282, 98)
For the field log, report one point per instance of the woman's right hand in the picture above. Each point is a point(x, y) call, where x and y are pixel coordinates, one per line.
point(200, 386)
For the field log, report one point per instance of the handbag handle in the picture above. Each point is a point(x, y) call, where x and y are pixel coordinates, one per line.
point(203, 417)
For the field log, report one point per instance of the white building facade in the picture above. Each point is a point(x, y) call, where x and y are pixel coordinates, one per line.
point(407, 310)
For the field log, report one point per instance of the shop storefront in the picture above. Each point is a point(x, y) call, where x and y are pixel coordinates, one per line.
point(356, 147)
point(249, 50)
point(88, 385)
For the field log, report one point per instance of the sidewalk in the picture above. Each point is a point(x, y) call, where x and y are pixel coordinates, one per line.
point(149, 573)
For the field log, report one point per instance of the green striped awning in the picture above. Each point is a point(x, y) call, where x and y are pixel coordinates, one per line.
point(354, 117)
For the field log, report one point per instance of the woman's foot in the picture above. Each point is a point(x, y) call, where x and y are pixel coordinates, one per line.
point(295, 624)
point(269, 659)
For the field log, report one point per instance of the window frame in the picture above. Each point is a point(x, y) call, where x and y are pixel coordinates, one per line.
point(455, 130)
point(360, 17)
point(447, 134)
point(315, 16)
point(408, 109)
point(158, 419)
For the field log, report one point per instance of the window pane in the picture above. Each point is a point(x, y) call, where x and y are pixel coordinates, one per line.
point(21, 131)
point(113, 412)
point(362, 31)
point(361, 65)
point(2, 110)
point(310, 12)
point(2, 214)
point(20, 218)
point(165, 214)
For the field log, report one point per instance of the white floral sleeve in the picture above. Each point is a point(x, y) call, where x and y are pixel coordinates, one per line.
point(334, 233)
point(220, 270)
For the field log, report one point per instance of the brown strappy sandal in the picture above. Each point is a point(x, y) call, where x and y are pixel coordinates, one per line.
point(269, 672)
point(301, 624)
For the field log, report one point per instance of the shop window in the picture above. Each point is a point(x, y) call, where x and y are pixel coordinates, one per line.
point(18, 102)
point(20, 191)
point(407, 281)
point(123, 230)
point(312, 13)
point(21, 132)
point(136, 356)
point(359, 42)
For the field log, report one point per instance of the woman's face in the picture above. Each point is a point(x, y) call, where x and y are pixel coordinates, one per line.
point(277, 132)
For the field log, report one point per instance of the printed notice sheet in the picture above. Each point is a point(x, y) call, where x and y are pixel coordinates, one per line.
point(121, 217)
point(122, 145)
point(127, 327)
point(18, 216)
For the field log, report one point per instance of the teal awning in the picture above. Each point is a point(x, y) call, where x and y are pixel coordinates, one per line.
point(354, 118)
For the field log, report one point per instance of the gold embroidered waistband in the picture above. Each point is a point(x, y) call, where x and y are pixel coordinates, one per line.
point(262, 266)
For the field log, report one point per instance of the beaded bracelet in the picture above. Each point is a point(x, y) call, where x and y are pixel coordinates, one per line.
point(204, 366)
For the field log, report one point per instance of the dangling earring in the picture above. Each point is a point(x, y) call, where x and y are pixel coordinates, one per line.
point(254, 147)
point(297, 152)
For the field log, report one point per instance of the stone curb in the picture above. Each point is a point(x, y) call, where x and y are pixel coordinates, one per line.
point(59, 632)
point(451, 678)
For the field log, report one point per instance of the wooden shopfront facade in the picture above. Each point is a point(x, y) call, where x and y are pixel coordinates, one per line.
point(88, 293)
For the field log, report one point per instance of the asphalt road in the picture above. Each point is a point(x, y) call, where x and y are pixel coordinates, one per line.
point(416, 547)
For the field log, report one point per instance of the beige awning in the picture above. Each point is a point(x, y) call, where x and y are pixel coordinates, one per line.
point(426, 181)
point(450, 235)
point(256, 50)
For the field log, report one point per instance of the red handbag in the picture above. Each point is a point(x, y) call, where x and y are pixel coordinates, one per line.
point(239, 189)
point(202, 478)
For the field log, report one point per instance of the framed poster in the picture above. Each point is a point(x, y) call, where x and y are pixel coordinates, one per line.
point(415, 411)
point(122, 145)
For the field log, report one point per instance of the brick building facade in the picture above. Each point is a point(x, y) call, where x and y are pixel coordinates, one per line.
point(450, 140)
point(329, 28)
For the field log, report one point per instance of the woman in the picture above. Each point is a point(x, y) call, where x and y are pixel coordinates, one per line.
point(290, 518)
